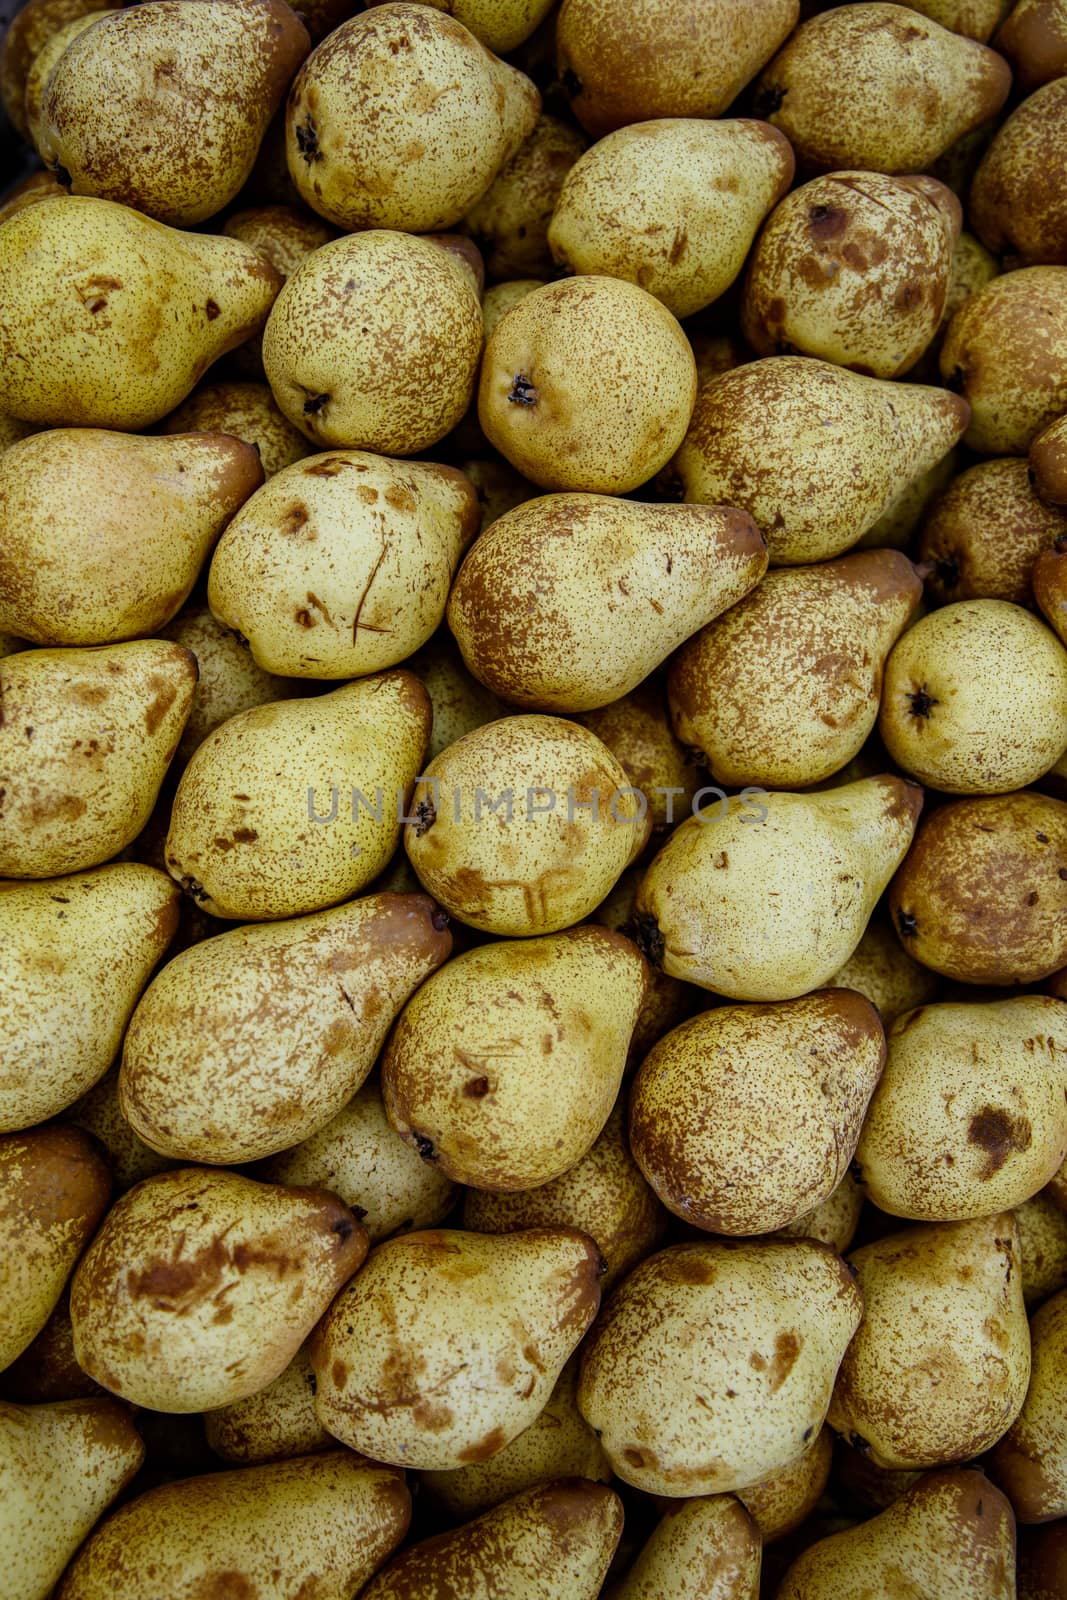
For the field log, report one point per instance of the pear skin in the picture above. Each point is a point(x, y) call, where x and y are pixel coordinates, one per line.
point(460, 703)
point(637, 730)
point(667, 1001)
point(882, 970)
point(1016, 207)
point(984, 534)
point(834, 1221)
point(228, 680)
point(246, 410)
point(28, 33)
point(783, 1502)
point(1048, 462)
point(1042, 1249)
point(510, 221)
point(40, 72)
point(100, 1113)
point(274, 1423)
point(1005, 353)
point(1034, 39)
point(501, 25)
point(1030, 1462)
point(46, 1370)
point(704, 1549)
point(1050, 586)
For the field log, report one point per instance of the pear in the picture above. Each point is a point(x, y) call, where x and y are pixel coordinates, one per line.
point(401, 119)
point(1034, 39)
point(1049, 575)
point(286, 235)
point(1030, 1462)
point(55, 1189)
point(504, 1068)
point(499, 487)
point(100, 1113)
point(667, 1001)
point(40, 72)
point(1048, 463)
point(814, 453)
point(562, 413)
point(834, 1221)
point(155, 508)
point(387, 365)
point(621, 62)
point(201, 1286)
point(266, 850)
point(783, 1502)
point(228, 678)
point(510, 221)
point(85, 742)
point(523, 826)
point(183, 151)
point(712, 1365)
point(882, 89)
point(341, 565)
point(246, 410)
point(1013, 206)
point(252, 1041)
point(637, 730)
point(969, 1117)
point(1042, 1570)
point(746, 1117)
point(836, 623)
point(591, 594)
point(982, 896)
point(764, 899)
point(673, 205)
point(274, 1423)
point(322, 1523)
point(558, 1444)
point(108, 319)
point(882, 970)
point(499, 300)
point(950, 1534)
point(1057, 1187)
point(1005, 353)
point(854, 268)
point(501, 25)
point(703, 1549)
point(974, 19)
point(1042, 1249)
point(553, 1542)
point(448, 1344)
point(40, 185)
point(27, 34)
point(972, 268)
point(460, 703)
point(896, 527)
point(975, 699)
point(983, 535)
point(75, 956)
point(60, 1468)
point(46, 1370)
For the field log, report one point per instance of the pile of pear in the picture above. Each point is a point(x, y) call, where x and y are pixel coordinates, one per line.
point(533, 801)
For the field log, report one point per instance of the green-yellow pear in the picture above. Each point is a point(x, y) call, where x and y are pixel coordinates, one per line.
point(523, 825)
point(246, 410)
point(274, 1423)
point(746, 1117)
point(951, 1535)
point(1042, 1249)
point(201, 1286)
point(672, 205)
point(248, 1043)
point(448, 1344)
point(510, 221)
point(102, 535)
point(100, 1113)
point(60, 1468)
point(969, 1117)
point(984, 533)
point(497, 302)
point(1030, 1462)
point(571, 600)
point(713, 1364)
point(501, 25)
point(108, 319)
point(460, 703)
point(567, 415)
point(387, 365)
point(880, 88)
point(341, 564)
point(319, 1523)
point(85, 742)
point(285, 235)
point(55, 1187)
point(1015, 205)
point(28, 33)
point(834, 624)
point(1005, 353)
point(975, 698)
point(834, 1221)
point(1048, 463)
point(504, 1067)
point(765, 896)
point(181, 152)
point(553, 1542)
point(292, 806)
point(703, 1549)
point(814, 453)
point(882, 970)
point(75, 956)
point(939, 1367)
point(637, 730)
point(402, 119)
point(498, 486)
point(40, 72)
point(780, 1503)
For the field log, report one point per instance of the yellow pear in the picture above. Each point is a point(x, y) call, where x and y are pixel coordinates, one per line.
point(85, 742)
point(896, 526)
point(46, 1371)
point(501, 25)
point(40, 72)
point(834, 1221)
point(984, 534)
point(667, 1001)
point(1042, 1249)
point(1005, 353)
point(460, 703)
point(975, 19)
point(704, 1549)
point(108, 319)
point(1013, 206)
point(274, 1423)
point(100, 1113)
point(246, 410)
point(40, 185)
point(637, 730)
point(497, 302)
point(510, 221)
point(27, 34)
point(569, 601)
point(1030, 1462)
point(781, 1503)
point(882, 970)
point(286, 235)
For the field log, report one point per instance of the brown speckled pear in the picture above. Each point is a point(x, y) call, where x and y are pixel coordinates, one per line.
point(1016, 206)
point(939, 1366)
point(319, 1523)
point(448, 1344)
point(39, 74)
point(286, 235)
point(60, 1468)
point(54, 1189)
point(667, 1001)
point(764, 897)
point(637, 730)
point(760, 721)
point(268, 821)
point(704, 1549)
point(881, 969)
point(1048, 463)
point(969, 1117)
point(341, 564)
point(504, 1067)
point(779, 1504)
point(501, 25)
point(510, 221)
point(985, 532)
point(273, 1424)
point(1049, 575)
point(201, 1286)
point(975, 699)
point(1042, 1249)
point(100, 1113)
point(834, 1222)
point(85, 743)
point(28, 33)
point(246, 410)
point(156, 508)
point(571, 600)
point(1034, 39)
point(496, 303)
point(816, 454)
point(746, 1117)
point(143, 312)
point(587, 384)
point(1030, 1462)
point(880, 88)
point(46, 1370)
point(249, 1042)
point(402, 119)
point(712, 1364)
point(460, 703)
point(75, 956)
point(181, 152)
